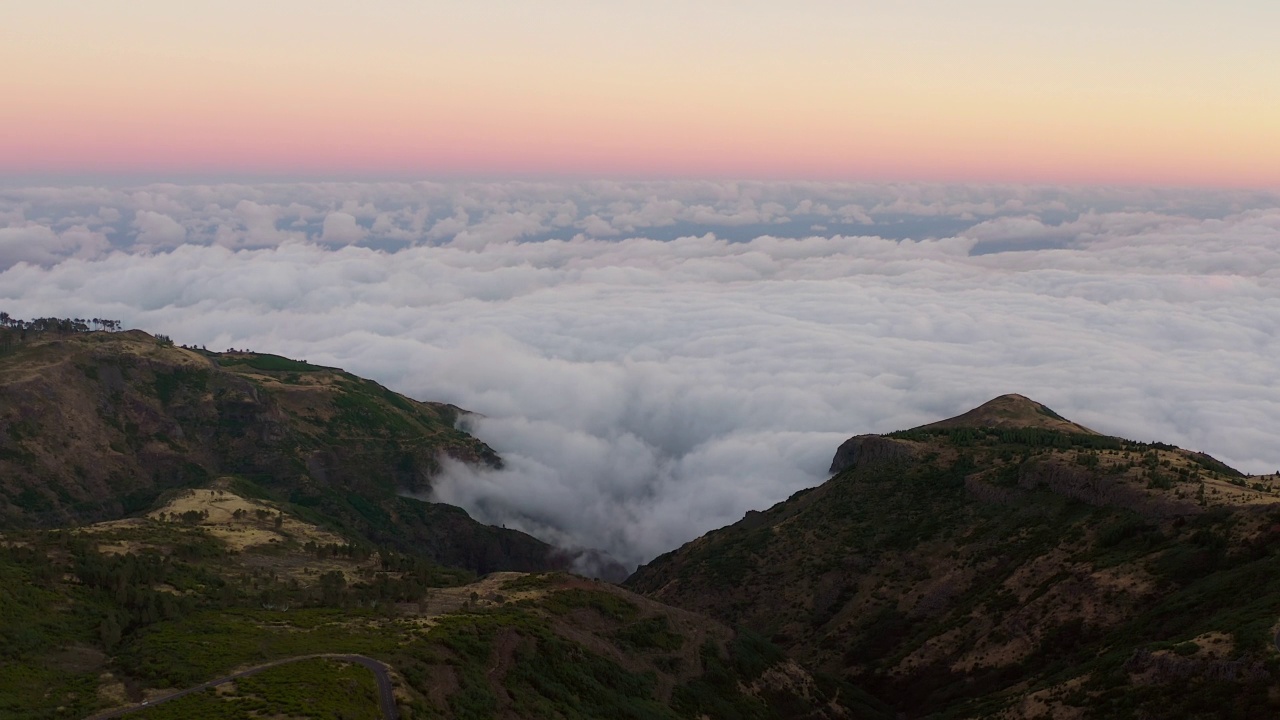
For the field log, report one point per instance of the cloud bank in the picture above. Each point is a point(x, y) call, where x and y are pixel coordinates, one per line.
point(654, 359)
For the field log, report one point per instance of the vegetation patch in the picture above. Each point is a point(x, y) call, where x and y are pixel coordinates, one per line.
point(270, 363)
point(652, 633)
point(318, 688)
point(606, 603)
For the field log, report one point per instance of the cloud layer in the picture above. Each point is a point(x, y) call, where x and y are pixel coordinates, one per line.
point(654, 359)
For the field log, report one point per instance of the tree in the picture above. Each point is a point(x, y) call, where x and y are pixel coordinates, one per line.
point(332, 585)
point(109, 631)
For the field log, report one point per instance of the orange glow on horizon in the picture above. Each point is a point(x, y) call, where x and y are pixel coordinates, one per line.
point(566, 97)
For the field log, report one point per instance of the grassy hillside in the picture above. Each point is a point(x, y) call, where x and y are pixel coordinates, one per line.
point(959, 570)
point(97, 426)
point(111, 614)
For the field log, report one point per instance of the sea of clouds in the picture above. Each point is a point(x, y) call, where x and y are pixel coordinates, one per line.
point(653, 359)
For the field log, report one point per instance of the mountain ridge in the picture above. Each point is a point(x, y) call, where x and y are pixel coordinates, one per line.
point(998, 564)
point(98, 425)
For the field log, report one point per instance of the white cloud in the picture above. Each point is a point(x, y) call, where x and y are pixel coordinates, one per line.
point(253, 225)
point(646, 390)
point(855, 214)
point(450, 226)
point(41, 245)
point(497, 227)
point(341, 228)
point(156, 230)
point(29, 243)
point(596, 226)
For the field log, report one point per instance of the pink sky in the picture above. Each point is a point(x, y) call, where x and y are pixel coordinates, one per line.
point(1176, 93)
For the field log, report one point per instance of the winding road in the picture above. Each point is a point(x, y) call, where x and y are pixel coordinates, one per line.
point(386, 696)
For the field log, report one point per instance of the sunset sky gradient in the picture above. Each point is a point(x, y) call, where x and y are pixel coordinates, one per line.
point(1175, 92)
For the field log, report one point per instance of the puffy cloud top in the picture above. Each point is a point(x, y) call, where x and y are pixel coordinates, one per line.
point(157, 230)
point(341, 229)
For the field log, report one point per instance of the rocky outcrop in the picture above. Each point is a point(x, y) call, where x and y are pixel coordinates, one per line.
point(865, 450)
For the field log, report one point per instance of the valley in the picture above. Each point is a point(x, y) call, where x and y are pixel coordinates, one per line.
point(222, 560)
point(173, 517)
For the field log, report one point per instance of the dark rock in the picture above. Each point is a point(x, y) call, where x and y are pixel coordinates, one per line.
point(863, 450)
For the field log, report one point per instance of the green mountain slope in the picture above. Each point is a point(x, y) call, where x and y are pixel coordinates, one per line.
point(1010, 563)
point(112, 614)
point(97, 425)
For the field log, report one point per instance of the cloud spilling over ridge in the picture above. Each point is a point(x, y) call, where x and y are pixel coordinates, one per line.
point(653, 360)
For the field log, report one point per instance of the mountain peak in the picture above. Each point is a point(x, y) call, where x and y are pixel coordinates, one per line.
point(1012, 410)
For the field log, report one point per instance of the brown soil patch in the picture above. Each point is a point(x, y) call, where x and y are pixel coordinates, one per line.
point(111, 691)
point(227, 688)
point(487, 591)
point(255, 527)
point(787, 676)
point(1045, 705)
point(1215, 643)
point(122, 547)
point(1222, 492)
point(252, 537)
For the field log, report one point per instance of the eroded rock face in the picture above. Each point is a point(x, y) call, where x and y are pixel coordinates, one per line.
point(862, 450)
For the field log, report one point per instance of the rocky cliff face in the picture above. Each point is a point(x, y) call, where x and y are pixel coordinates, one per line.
point(95, 426)
point(868, 450)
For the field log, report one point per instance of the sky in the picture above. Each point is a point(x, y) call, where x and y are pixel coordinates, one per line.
point(653, 359)
point(673, 252)
point(1144, 92)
